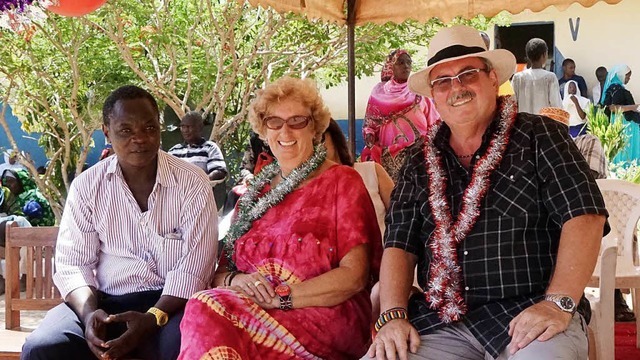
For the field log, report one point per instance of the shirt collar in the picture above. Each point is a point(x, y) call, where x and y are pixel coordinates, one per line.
point(444, 133)
point(164, 176)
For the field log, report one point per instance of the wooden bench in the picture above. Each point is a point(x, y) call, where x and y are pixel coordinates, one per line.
point(11, 343)
point(41, 293)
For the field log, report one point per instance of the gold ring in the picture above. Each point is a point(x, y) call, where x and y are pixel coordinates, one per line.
point(258, 282)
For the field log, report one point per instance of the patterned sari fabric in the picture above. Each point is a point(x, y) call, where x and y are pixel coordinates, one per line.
point(304, 236)
point(395, 117)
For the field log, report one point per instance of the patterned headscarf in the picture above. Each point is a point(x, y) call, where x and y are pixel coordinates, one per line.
point(387, 68)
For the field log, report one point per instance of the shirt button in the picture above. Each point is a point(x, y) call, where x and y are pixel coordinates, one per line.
point(466, 252)
point(466, 288)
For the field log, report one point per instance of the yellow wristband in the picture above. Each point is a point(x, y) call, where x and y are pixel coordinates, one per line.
point(161, 317)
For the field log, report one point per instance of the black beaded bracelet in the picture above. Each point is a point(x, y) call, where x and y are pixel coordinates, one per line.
point(230, 277)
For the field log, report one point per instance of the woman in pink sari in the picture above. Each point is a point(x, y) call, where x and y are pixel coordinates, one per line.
point(301, 254)
point(395, 116)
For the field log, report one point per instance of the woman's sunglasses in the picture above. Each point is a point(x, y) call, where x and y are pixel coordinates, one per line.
point(295, 122)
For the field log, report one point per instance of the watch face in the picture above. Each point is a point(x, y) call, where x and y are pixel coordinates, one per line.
point(283, 290)
point(567, 303)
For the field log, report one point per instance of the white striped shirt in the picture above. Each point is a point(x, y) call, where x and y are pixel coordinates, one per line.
point(106, 241)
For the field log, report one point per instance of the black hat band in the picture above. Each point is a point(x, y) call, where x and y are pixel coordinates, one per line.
point(454, 51)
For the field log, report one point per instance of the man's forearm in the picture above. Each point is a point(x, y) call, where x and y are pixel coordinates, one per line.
point(83, 301)
point(396, 278)
point(577, 255)
point(170, 304)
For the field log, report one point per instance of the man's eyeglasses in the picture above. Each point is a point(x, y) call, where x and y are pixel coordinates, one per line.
point(296, 122)
point(466, 77)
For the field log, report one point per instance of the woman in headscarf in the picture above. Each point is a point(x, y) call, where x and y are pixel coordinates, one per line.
point(576, 105)
point(24, 198)
point(616, 97)
point(395, 116)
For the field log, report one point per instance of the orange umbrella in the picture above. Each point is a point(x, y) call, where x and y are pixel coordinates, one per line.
point(358, 12)
point(382, 11)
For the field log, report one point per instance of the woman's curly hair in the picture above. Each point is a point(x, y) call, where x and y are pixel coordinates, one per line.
point(304, 91)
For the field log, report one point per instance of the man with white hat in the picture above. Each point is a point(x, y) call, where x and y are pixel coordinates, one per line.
point(500, 213)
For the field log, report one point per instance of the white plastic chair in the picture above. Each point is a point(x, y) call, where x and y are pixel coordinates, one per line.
point(622, 199)
point(600, 294)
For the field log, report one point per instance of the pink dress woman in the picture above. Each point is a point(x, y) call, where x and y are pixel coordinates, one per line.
point(302, 237)
point(395, 117)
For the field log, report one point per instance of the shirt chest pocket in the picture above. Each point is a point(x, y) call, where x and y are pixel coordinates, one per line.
point(515, 190)
point(169, 251)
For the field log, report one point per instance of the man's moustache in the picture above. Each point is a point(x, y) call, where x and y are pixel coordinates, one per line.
point(463, 95)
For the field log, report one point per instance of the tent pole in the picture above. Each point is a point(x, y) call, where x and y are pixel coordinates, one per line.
point(351, 23)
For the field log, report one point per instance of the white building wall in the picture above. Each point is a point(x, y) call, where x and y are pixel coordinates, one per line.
point(607, 35)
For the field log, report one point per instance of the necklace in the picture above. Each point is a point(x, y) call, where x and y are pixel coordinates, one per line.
point(464, 156)
point(251, 208)
point(445, 274)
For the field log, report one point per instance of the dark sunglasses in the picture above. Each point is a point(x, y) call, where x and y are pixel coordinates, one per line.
point(296, 122)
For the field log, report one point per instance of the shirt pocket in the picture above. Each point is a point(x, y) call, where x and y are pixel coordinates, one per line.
point(169, 251)
point(515, 190)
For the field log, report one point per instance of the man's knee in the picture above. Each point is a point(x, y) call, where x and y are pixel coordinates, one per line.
point(59, 336)
point(570, 344)
point(41, 346)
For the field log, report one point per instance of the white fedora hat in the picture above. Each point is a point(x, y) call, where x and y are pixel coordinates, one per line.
point(459, 42)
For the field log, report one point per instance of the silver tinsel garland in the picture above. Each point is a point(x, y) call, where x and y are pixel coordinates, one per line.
point(250, 208)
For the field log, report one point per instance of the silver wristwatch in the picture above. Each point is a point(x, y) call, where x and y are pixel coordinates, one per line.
point(564, 302)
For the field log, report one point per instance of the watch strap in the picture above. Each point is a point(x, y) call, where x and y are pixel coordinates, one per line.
point(284, 294)
point(161, 317)
point(286, 303)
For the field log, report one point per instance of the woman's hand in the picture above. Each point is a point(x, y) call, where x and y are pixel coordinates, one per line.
point(255, 286)
point(272, 303)
point(575, 100)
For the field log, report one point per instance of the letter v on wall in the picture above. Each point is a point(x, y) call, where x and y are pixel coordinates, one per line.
point(574, 28)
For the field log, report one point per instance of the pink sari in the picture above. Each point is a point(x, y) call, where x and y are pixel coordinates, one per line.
point(395, 117)
point(304, 236)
